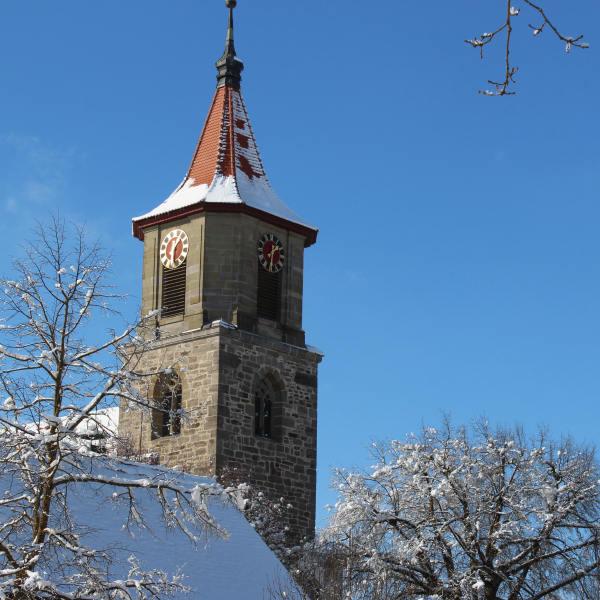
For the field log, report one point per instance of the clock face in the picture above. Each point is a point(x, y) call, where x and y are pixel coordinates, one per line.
point(174, 248)
point(271, 253)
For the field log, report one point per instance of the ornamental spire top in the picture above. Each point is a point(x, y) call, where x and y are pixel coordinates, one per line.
point(229, 65)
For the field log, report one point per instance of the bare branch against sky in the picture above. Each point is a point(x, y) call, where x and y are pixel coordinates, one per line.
point(486, 38)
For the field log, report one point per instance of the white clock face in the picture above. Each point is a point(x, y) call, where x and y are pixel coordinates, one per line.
point(174, 248)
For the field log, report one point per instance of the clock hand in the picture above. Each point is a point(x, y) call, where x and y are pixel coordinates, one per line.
point(174, 248)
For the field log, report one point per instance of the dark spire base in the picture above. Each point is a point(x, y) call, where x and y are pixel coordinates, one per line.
point(229, 66)
point(228, 81)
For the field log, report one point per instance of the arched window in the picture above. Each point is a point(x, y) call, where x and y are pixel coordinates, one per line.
point(263, 404)
point(166, 416)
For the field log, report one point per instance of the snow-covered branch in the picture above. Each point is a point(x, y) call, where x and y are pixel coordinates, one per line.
point(511, 14)
point(58, 390)
point(468, 512)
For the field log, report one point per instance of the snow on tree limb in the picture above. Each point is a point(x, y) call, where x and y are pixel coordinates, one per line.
point(486, 38)
point(475, 512)
point(56, 386)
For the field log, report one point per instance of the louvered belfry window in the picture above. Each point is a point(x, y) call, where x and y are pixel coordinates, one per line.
point(268, 302)
point(173, 290)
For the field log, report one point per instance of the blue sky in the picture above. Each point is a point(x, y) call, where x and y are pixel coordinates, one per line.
point(457, 263)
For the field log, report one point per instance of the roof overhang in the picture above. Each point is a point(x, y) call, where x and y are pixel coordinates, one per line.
point(310, 235)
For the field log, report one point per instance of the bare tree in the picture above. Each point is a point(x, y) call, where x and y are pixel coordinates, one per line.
point(511, 13)
point(469, 513)
point(313, 566)
point(266, 515)
point(318, 571)
point(57, 392)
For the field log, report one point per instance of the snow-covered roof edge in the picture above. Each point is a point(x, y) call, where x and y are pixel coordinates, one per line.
point(225, 190)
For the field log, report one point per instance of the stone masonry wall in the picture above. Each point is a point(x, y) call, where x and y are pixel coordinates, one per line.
point(285, 466)
point(197, 364)
point(220, 371)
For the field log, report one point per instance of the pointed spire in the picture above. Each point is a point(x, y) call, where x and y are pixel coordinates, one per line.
point(227, 174)
point(229, 65)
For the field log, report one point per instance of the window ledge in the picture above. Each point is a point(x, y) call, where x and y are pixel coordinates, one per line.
point(264, 437)
point(169, 320)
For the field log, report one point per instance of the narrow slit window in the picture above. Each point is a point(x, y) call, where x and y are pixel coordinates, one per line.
point(263, 404)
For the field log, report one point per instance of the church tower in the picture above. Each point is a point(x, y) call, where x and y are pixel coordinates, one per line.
point(224, 260)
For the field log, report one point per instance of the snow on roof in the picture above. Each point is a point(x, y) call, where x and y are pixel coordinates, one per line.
point(104, 421)
point(315, 350)
point(227, 167)
point(240, 567)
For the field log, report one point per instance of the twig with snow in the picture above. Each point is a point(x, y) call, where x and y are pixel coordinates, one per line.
point(486, 38)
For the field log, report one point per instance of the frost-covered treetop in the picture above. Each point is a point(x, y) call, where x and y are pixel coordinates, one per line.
point(463, 511)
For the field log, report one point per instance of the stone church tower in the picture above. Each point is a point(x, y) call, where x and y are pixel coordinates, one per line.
point(224, 258)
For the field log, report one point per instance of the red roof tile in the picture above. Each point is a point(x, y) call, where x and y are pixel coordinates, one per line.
point(227, 170)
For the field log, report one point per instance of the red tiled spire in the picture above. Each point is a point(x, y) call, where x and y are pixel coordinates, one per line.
point(227, 172)
point(204, 163)
point(227, 142)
